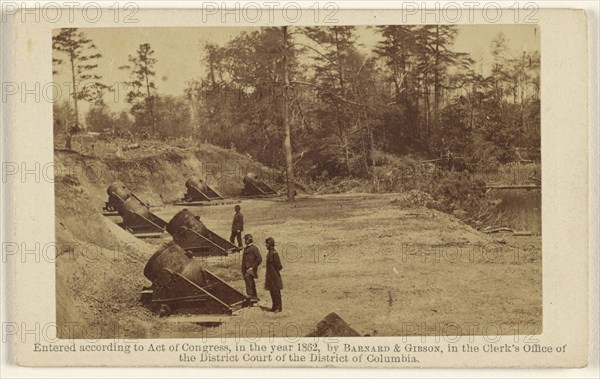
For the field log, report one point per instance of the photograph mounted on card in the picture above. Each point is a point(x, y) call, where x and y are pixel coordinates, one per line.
point(364, 193)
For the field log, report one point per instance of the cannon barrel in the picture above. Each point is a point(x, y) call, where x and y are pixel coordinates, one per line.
point(173, 258)
point(133, 205)
point(251, 178)
point(187, 219)
point(194, 182)
point(170, 256)
point(254, 186)
point(119, 189)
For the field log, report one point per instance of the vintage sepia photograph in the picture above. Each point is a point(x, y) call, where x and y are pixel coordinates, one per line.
point(298, 181)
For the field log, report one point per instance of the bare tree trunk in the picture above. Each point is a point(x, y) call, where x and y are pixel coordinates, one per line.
point(149, 99)
point(347, 155)
point(436, 88)
point(76, 108)
point(522, 84)
point(287, 142)
point(372, 145)
point(427, 110)
point(419, 121)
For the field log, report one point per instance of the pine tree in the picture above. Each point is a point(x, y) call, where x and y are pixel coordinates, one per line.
point(142, 93)
point(80, 56)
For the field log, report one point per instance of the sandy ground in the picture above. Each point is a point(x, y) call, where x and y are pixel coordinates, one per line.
point(387, 271)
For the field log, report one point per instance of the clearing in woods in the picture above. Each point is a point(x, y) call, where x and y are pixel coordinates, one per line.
point(387, 270)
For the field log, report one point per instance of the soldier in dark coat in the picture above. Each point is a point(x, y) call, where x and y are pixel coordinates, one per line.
point(237, 226)
point(273, 281)
point(251, 259)
point(72, 131)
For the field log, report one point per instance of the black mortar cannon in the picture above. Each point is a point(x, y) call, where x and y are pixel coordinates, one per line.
point(136, 215)
point(181, 285)
point(117, 194)
point(192, 235)
point(255, 187)
point(198, 190)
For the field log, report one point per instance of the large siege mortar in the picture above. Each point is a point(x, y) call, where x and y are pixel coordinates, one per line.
point(136, 215)
point(117, 194)
point(192, 235)
point(200, 193)
point(254, 187)
point(198, 190)
point(181, 285)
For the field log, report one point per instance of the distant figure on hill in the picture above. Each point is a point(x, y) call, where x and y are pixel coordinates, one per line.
point(237, 226)
point(72, 131)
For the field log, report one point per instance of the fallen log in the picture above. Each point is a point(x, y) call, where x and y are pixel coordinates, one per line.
point(522, 233)
point(496, 230)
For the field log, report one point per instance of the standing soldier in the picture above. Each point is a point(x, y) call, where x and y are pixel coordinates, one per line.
point(273, 281)
point(251, 259)
point(71, 132)
point(237, 227)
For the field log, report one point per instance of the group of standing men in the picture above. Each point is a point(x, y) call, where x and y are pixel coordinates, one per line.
point(251, 260)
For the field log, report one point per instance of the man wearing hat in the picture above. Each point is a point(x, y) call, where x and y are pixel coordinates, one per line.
point(237, 226)
point(273, 281)
point(251, 259)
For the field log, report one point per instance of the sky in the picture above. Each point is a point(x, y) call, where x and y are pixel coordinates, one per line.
point(179, 51)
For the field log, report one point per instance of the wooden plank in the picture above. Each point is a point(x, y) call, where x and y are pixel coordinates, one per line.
point(149, 234)
point(522, 233)
point(256, 187)
point(497, 230)
point(140, 200)
point(215, 192)
point(155, 221)
point(202, 193)
point(515, 186)
point(145, 223)
point(260, 196)
point(204, 203)
point(271, 189)
point(217, 239)
point(190, 240)
point(186, 297)
point(193, 285)
point(199, 319)
point(211, 194)
point(224, 291)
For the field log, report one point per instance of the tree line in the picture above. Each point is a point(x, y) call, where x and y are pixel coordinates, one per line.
point(309, 100)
